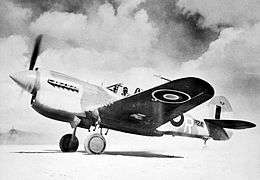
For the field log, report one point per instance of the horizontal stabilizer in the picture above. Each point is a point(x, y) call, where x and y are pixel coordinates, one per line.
point(231, 124)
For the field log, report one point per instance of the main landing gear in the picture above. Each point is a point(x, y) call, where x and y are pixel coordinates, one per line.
point(69, 142)
point(95, 143)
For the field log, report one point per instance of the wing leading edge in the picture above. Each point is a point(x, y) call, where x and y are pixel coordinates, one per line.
point(157, 106)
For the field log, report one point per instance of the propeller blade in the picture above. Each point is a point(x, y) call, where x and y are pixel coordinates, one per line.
point(35, 52)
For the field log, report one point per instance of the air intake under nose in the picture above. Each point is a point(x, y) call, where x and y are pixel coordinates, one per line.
point(26, 80)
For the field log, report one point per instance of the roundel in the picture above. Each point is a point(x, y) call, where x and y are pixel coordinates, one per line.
point(170, 96)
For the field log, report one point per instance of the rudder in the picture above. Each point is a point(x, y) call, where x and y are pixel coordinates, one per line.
point(222, 105)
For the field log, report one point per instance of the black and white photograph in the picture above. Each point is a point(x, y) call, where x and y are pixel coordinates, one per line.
point(129, 89)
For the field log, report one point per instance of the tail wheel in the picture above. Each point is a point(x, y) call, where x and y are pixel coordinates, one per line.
point(68, 143)
point(95, 144)
point(177, 123)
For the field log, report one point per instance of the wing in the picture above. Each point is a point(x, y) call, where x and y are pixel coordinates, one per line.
point(144, 112)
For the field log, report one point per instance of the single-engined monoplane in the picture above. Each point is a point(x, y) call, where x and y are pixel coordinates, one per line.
point(61, 97)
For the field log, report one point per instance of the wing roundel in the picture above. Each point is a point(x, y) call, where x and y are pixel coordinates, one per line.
point(170, 96)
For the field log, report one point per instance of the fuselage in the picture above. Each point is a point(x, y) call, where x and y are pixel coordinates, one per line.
point(189, 127)
point(62, 97)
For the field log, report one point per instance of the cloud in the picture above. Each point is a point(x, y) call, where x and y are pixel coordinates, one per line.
point(231, 64)
point(102, 32)
point(178, 35)
point(62, 25)
point(12, 54)
point(130, 41)
point(13, 18)
point(223, 12)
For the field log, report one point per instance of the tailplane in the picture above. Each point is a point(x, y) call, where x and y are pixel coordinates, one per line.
point(216, 126)
point(231, 124)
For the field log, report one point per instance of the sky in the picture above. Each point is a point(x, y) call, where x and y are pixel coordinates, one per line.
point(130, 41)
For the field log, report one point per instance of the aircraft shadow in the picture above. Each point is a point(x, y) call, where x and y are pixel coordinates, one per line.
point(37, 152)
point(145, 154)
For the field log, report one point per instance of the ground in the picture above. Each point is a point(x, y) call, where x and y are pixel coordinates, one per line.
point(136, 157)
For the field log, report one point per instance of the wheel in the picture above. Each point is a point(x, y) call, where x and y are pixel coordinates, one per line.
point(67, 144)
point(95, 144)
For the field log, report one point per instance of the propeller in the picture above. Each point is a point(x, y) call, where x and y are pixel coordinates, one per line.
point(35, 51)
point(33, 59)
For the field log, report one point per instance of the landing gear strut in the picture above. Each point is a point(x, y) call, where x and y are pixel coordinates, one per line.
point(94, 143)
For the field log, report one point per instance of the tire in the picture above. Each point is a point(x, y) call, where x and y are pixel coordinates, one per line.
point(95, 144)
point(67, 144)
point(179, 123)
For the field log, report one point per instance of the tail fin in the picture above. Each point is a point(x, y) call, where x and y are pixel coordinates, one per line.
point(216, 126)
point(222, 104)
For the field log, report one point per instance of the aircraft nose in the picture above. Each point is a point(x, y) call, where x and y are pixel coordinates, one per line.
point(25, 79)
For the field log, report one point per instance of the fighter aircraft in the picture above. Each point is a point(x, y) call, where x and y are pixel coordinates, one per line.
point(68, 99)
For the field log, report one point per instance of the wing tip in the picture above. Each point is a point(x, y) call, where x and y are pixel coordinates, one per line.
point(209, 90)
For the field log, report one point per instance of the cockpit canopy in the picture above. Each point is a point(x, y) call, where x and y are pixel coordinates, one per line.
point(122, 90)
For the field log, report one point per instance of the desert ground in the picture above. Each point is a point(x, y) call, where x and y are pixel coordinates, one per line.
point(136, 157)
